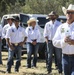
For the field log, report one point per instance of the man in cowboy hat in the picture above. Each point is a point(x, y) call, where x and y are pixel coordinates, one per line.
point(10, 20)
point(49, 31)
point(9, 23)
point(15, 37)
point(64, 38)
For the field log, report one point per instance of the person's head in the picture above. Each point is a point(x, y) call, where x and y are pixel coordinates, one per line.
point(32, 22)
point(10, 19)
point(52, 15)
point(69, 12)
point(17, 21)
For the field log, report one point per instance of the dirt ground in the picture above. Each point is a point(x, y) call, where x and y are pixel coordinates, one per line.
point(40, 70)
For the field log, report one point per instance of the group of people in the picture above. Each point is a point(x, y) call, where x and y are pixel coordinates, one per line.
point(59, 41)
point(16, 36)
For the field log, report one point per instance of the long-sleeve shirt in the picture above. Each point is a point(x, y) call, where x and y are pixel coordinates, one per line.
point(58, 40)
point(50, 29)
point(33, 34)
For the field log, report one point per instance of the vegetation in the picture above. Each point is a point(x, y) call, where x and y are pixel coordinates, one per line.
point(32, 6)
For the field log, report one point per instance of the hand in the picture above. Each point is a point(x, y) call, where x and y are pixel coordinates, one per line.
point(11, 47)
point(68, 40)
point(21, 43)
point(46, 41)
point(34, 43)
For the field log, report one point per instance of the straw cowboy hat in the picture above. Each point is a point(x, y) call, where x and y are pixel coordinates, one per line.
point(70, 7)
point(31, 20)
point(52, 13)
point(9, 17)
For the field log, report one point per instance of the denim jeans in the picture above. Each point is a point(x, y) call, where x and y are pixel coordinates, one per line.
point(17, 52)
point(50, 50)
point(32, 49)
point(68, 64)
point(0, 52)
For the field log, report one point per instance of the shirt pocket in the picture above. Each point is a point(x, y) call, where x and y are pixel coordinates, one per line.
point(20, 34)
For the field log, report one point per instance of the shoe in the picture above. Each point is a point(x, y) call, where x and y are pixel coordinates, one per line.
point(28, 66)
point(34, 66)
point(60, 74)
point(16, 70)
point(49, 73)
point(8, 71)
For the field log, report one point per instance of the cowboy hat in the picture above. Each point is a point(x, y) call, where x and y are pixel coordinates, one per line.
point(16, 18)
point(51, 13)
point(70, 7)
point(31, 20)
point(9, 17)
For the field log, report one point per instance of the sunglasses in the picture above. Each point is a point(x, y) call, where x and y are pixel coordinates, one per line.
point(70, 12)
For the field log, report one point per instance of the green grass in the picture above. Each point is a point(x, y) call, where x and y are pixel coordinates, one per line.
point(40, 70)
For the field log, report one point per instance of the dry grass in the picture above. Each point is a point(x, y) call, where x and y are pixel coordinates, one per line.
point(40, 70)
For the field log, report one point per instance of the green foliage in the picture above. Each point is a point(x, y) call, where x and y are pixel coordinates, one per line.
point(33, 6)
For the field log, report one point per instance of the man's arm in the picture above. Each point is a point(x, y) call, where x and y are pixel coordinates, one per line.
point(69, 40)
point(9, 44)
point(23, 42)
point(8, 35)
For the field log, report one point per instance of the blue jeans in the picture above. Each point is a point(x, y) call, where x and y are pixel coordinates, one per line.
point(68, 64)
point(50, 50)
point(32, 49)
point(0, 52)
point(17, 52)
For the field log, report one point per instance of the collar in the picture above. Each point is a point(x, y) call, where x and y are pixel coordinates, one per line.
point(32, 28)
point(70, 25)
point(54, 22)
point(15, 26)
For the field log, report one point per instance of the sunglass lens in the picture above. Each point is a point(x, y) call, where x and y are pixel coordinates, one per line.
point(70, 12)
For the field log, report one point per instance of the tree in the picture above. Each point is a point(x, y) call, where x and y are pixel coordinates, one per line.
point(33, 6)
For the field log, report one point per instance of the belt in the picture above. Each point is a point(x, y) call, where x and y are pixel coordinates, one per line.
point(15, 44)
point(70, 55)
point(34, 39)
point(50, 41)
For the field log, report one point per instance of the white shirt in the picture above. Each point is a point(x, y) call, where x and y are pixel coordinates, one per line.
point(33, 34)
point(16, 35)
point(58, 40)
point(50, 29)
point(5, 28)
point(0, 31)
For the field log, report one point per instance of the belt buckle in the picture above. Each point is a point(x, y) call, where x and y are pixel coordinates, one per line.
point(16, 44)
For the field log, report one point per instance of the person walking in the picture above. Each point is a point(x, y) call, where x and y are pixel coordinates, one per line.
point(33, 39)
point(49, 32)
point(15, 37)
point(64, 38)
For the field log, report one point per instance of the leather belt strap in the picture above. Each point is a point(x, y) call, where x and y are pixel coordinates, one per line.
point(34, 39)
point(68, 55)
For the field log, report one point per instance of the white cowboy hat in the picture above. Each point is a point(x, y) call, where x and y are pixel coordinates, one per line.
point(70, 7)
point(9, 17)
point(31, 20)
